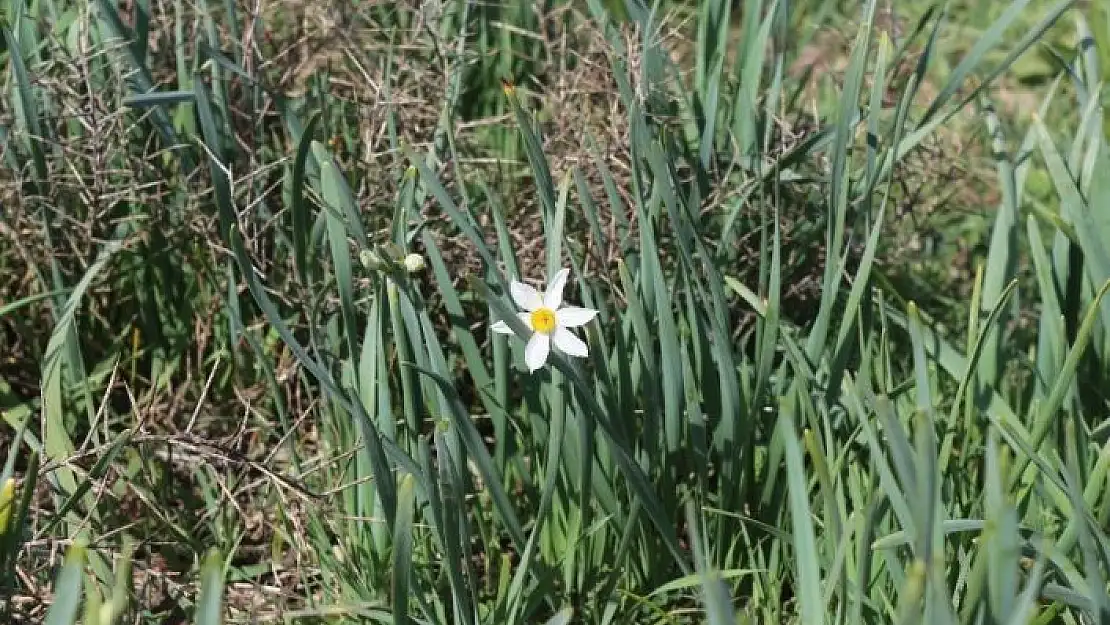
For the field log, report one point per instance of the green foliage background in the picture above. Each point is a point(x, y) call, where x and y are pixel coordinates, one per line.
point(850, 260)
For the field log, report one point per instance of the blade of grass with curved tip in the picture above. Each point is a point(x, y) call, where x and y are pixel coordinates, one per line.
point(555, 226)
point(533, 149)
point(208, 33)
point(898, 443)
point(210, 604)
point(337, 194)
point(930, 511)
point(184, 119)
point(864, 559)
point(920, 362)
point(901, 538)
point(711, 100)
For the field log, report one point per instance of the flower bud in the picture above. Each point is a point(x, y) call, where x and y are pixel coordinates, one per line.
point(414, 263)
point(370, 260)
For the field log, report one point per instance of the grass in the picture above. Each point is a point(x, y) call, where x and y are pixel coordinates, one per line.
point(848, 367)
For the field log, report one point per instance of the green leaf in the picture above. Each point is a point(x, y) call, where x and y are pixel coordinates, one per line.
point(210, 606)
point(67, 588)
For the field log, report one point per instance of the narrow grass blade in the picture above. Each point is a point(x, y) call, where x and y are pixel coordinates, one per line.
point(808, 581)
point(402, 550)
point(298, 206)
point(210, 605)
point(28, 108)
point(67, 588)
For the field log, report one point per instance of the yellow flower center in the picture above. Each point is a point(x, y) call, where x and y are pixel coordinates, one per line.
point(543, 320)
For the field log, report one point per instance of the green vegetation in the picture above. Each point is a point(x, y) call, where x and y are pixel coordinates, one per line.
point(851, 363)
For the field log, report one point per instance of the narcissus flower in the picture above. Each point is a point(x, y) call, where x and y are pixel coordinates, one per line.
point(549, 323)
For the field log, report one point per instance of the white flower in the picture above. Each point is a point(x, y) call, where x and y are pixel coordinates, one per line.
point(548, 322)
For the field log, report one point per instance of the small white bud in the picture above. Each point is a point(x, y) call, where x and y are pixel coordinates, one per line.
point(414, 263)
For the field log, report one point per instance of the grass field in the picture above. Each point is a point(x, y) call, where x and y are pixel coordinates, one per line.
point(850, 361)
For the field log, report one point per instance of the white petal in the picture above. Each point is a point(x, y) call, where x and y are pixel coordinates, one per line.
point(536, 351)
point(501, 327)
point(525, 296)
point(553, 297)
point(526, 319)
point(569, 344)
point(572, 316)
